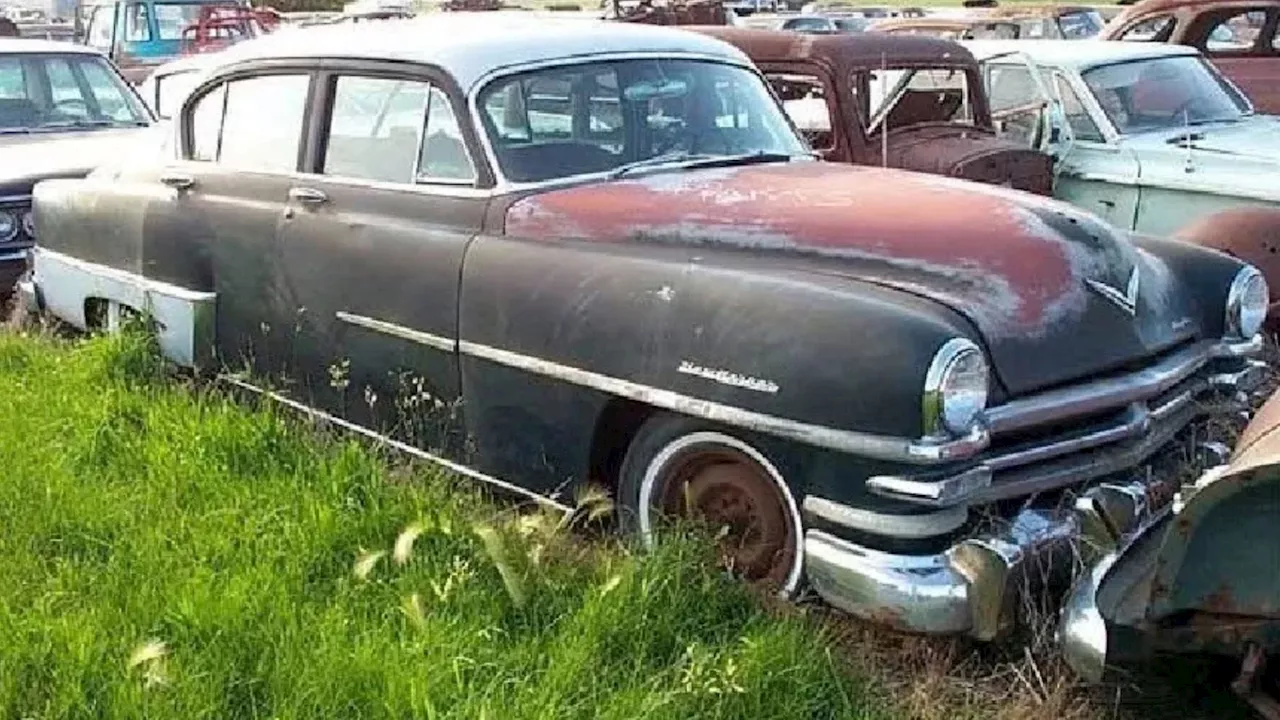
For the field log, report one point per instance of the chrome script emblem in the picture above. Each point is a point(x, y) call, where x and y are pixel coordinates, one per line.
point(1127, 300)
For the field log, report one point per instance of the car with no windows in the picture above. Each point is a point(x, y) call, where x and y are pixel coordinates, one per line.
point(566, 252)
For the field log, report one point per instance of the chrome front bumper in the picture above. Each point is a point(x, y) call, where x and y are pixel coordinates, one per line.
point(972, 587)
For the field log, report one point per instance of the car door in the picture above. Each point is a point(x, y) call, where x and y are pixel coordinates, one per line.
point(1093, 169)
point(1045, 110)
point(242, 142)
point(373, 240)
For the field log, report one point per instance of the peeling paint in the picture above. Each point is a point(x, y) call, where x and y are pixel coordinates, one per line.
point(993, 248)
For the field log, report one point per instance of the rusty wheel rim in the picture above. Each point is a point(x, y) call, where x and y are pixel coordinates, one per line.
point(726, 489)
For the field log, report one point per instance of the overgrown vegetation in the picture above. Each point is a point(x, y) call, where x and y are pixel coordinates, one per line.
point(169, 553)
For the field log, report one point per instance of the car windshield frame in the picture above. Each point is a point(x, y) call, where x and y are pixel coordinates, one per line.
point(1117, 107)
point(786, 142)
point(130, 111)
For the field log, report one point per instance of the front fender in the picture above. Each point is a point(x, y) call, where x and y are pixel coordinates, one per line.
point(1205, 272)
point(727, 329)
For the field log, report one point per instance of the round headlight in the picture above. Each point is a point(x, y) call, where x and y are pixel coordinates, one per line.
point(8, 226)
point(29, 225)
point(955, 388)
point(1247, 302)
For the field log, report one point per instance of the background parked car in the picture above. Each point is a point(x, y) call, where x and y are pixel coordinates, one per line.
point(63, 110)
point(1238, 36)
point(1149, 136)
point(915, 103)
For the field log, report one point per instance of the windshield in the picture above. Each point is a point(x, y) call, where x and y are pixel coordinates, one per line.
point(593, 118)
point(901, 97)
point(49, 91)
point(1080, 25)
point(1163, 93)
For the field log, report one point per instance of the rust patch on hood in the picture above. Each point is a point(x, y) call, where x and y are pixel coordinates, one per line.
point(1006, 256)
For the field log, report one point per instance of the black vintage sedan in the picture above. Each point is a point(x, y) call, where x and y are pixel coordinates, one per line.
point(63, 110)
point(558, 252)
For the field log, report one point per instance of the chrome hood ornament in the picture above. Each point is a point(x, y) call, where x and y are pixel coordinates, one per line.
point(1127, 300)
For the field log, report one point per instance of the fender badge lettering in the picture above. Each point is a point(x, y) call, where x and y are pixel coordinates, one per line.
point(725, 377)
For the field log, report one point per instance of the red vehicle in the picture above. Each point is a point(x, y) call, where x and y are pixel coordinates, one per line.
point(1238, 36)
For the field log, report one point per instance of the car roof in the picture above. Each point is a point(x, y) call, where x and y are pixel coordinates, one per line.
point(33, 45)
point(865, 49)
point(1080, 54)
point(470, 46)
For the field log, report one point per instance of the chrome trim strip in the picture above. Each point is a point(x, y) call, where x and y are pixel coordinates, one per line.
point(881, 447)
point(15, 255)
point(1077, 400)
point(899, 526)
point(944, 492)
point(395, 444)
point(398, 331)
point(15, 199)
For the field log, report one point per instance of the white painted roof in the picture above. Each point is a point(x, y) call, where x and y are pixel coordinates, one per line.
point(471, 45)
point(1078, 54)
point(10, 46)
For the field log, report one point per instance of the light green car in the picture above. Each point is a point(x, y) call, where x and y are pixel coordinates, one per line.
point(1146, 135)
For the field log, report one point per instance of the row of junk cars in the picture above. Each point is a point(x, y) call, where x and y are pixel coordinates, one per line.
point(924, 322)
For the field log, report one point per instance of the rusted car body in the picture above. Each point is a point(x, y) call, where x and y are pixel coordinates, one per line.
point(669, 12)
point(1238, 36)
point(951, 28)
point(1149, 136)
point(1195, 575)
point(599, 252)
point(936, 114)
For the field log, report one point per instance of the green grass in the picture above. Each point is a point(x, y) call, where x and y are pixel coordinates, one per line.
point(168, 553)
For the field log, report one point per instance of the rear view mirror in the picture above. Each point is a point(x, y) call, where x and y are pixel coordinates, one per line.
point(660, 90)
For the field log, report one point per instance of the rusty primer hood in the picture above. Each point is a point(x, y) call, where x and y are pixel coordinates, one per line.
point(1013, 263)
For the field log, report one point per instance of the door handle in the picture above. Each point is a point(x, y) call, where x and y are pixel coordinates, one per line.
point(307, 196)
point(177, 181)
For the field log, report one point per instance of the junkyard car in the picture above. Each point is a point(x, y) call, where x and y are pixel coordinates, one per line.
point(1148, 136)
point(1238, 36)
point(1051, 21)
point(1197, 575)
point(951, 28)
point(594, 251)
point(834, 89)
point(63, 110)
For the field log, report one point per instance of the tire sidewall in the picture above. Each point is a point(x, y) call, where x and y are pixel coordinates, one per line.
point(655, 437)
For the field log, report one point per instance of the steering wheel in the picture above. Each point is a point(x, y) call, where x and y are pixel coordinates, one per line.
point(80, 102)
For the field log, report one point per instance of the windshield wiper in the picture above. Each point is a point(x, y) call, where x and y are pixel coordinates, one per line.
point(686, 160)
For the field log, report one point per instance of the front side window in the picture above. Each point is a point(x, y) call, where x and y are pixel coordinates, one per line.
point(1236, 32)
point(444, 154)
point(375, 128)
point(63, 92)
point(137, 23)
point(804, 97)
point(904, 97)
point(257, 126)
point(172, 89)
point(1078, 118)
point(1080, 25)
point(1163, 93)
point(591, 118)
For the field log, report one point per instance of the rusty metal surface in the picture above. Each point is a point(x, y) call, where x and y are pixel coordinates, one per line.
point(1251, 234)
point(969, 153)
point(671, 12)
point(846, 50)
point(940, 24)
point(1256, 71)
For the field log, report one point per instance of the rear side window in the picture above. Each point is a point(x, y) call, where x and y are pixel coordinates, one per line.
point(1155, 29)
point(258, 126)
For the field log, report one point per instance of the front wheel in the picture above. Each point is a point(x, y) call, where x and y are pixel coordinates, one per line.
point(680, 467)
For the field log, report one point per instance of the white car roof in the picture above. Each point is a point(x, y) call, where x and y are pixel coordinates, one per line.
point(10, 46)
point(1078, 54)
point(470, 46)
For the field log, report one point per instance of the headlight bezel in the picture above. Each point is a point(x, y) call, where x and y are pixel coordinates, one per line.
point(940, 420)
point(1235, 323)
point(14, 225)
